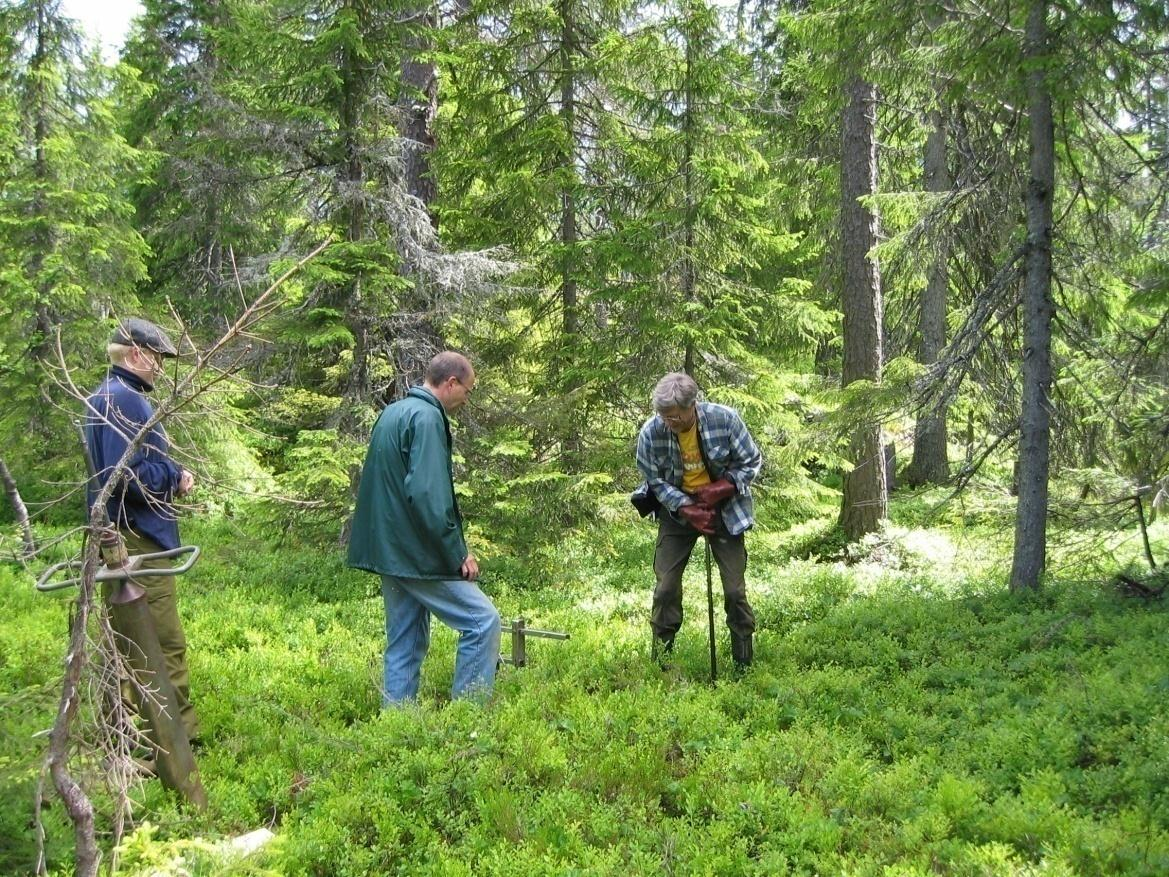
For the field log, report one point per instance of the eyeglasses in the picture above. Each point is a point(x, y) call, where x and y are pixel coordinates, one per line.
point(683, 417)
point(155, 359)
point(469, 389)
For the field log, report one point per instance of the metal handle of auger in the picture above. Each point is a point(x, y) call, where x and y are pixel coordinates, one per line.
point(131, 570)
point(710, 614)
point(519, 631)
point(130, 615)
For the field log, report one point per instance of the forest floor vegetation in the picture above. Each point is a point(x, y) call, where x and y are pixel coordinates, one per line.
point(906, 715)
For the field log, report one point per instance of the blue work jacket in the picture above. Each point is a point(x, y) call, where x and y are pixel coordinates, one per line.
point(143, 502)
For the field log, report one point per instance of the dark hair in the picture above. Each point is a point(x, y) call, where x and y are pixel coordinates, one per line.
point(446, 365)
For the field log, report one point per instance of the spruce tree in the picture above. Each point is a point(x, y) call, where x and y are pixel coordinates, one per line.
point(70, 256)
point(209, 205)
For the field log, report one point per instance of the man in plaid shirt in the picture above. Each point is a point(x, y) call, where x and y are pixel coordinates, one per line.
point(699, 460)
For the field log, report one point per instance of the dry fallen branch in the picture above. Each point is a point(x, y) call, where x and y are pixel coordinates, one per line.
point(64, 738)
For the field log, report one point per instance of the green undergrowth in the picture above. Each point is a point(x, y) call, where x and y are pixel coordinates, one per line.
point(906, 716)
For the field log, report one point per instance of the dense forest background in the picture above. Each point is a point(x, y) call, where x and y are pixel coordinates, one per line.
point(938, 228)
point(922, 247)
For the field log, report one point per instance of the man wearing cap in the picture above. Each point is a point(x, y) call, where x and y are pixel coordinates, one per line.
point(142, 507)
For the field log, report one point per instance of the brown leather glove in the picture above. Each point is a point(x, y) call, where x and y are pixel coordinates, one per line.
point(700, 517)
point(715, 492)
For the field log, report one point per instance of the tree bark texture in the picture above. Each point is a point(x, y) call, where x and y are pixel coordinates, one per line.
point(568, 231)
point(418, 338)
point(1035, 419)
point(213, 254)
point(357, 390)
point(418, 103)
point(42, 239)
point(930, 464)
point(689, 284)
point(19, 511)
point(865, 499)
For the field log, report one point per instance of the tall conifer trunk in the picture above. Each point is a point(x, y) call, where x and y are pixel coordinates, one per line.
point(1035, 420)
point(45, 316)
point(19, 510)
point(930, 461)
point(419, 337)
point(214, 217)
point(568, 230)
point(689, 284)
point(357, 390)
point(865, 499)
point(418, 104)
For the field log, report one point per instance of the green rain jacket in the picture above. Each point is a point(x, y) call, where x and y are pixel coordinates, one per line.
point(407, 521)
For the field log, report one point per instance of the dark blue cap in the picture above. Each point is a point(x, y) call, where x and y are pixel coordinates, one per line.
point(136, 332)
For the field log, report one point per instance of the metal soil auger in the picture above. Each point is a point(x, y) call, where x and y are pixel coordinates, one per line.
point(174, 760)
point(520, 631)
point(710, 614)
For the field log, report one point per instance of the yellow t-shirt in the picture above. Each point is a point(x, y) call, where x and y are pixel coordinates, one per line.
point(694, 473)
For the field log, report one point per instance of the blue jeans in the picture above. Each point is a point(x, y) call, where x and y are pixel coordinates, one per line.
point(461, 606)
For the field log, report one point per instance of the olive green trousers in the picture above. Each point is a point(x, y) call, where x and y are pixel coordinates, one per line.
point(163, 605)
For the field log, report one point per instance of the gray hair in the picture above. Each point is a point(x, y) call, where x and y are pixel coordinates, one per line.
point(118, 353)
point(675, 390)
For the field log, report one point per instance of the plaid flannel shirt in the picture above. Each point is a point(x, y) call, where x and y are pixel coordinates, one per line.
point(730, 453)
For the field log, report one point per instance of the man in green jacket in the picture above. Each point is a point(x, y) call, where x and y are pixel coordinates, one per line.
point(407, 529)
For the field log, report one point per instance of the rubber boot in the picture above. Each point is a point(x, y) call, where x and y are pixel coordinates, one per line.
point(742, 651)
point(661, 651)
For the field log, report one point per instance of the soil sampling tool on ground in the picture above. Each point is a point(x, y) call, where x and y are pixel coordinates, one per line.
point(520, 631)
